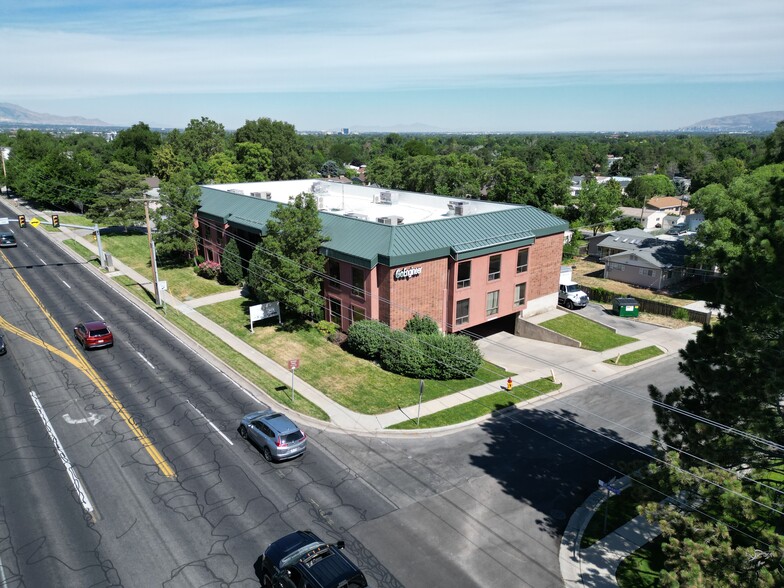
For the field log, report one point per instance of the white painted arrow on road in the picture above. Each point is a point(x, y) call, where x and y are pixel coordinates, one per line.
point(93, 418)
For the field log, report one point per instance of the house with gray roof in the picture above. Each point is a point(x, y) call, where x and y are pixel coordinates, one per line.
point(656, 264)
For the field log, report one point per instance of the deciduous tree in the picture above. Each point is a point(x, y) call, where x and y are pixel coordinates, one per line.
point(287, 266)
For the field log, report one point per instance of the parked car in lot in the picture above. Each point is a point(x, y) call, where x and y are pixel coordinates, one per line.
point(7, 239)
point(2, 345)
point(275, 434)
point(302, 559)
point(93, 335)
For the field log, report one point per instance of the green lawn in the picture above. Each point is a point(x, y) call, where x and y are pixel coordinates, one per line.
point(641, 568)
point(620, 509)
point(271, 386)
point(83, 251)
point(480, 407)
point(636, 356)
point(182, 282)
point(593, 336)
point(355, 383)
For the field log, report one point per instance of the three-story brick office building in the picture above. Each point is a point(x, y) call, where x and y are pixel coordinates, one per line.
point(392, 254)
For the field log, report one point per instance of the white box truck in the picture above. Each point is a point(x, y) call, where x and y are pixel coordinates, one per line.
point(569, 293)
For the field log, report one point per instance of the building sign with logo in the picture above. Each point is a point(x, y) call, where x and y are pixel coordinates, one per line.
point(406, 273)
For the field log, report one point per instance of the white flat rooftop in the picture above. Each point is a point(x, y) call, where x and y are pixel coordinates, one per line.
point(364, 202)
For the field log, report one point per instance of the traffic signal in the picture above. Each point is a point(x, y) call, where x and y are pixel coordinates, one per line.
point(55, 220)
point(22, 221)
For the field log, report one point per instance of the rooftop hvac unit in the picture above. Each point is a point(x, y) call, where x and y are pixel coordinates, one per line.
point(320, 188)
point(320, 203)
point(262, 195)
point(236, 191)
point(460, 208)
point(356, 215)
point(386, 197)
point(390, 220)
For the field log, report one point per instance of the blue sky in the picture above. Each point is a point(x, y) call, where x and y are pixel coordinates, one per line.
point(486, 65)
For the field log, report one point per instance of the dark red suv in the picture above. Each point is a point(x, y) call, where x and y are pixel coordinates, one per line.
point(93, 335)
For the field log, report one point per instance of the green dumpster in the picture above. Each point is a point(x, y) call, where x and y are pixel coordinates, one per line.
point(626, 307)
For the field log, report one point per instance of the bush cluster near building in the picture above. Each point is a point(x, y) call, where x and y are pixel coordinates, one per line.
point(418, 351)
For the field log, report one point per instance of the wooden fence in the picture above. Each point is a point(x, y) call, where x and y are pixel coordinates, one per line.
point(651, 306)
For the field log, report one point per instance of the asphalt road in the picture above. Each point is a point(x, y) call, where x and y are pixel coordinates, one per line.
point(483, 506)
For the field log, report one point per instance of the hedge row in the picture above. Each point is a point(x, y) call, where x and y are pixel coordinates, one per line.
point(428, 355)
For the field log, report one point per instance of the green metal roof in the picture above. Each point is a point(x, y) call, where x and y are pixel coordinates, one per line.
point(367, 243)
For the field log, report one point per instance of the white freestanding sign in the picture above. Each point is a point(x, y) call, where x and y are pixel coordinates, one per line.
point(260, 312)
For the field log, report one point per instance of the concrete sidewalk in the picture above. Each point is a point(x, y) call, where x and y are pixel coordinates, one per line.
point(573, 368)
point(596, 566)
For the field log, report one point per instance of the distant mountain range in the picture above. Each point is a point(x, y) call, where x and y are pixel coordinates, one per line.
point(760, 122)
point(11, 113)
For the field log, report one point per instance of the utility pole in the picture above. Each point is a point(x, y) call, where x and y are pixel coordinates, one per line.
point(153, 261)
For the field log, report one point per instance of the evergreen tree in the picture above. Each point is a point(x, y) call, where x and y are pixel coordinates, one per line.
point(120, 190)
point(737, 380)
point(176, 234)
point(287, 266)
point(231, 264)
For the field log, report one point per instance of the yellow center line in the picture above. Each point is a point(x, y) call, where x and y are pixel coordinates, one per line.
point(79, 361)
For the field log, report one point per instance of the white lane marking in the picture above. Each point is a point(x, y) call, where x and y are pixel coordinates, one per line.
point(152, 367)
point(3, 581)
point(42, 261)
point(72, 473)
point(94, 419)
point(210, 423)
point(66, 283)
point(98, 314)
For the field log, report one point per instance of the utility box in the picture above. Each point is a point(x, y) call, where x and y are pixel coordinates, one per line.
point(626, 307)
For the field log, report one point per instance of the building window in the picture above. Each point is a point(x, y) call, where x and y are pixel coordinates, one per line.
point(333, 267)
point(334, 311)
point(207, 232)
point(519, 297)
point(464, 274)
point(357, 313)
point(461, 314)
point(358, 282)
point(522, 260)
point(492, 303)
point(646, 272)
point(495, 268)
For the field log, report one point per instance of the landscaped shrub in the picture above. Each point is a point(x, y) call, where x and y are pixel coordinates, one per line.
point(421, 325)
point(326, 328)
point(449, 357)
point(366, 337)
point(401, 354)
point(231, 265)
point(208, 269)
point(681, 314)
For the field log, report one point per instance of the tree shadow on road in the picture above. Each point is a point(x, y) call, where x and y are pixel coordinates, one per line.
point(550, 461)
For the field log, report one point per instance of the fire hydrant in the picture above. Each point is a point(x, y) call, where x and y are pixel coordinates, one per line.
point(509, 385)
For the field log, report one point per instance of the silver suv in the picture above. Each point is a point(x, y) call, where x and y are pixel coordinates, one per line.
point(275, 434)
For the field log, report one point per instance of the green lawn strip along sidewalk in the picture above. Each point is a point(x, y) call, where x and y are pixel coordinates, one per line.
point(620, 508)
point(273, 387)
point(473, 409)
point(636, 356)
point(357, 384)
point(641, 569)
point(83, 252)
point(182, 282)
point(594, 337)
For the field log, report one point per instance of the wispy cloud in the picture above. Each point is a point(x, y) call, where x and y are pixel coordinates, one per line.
point(107, 48)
